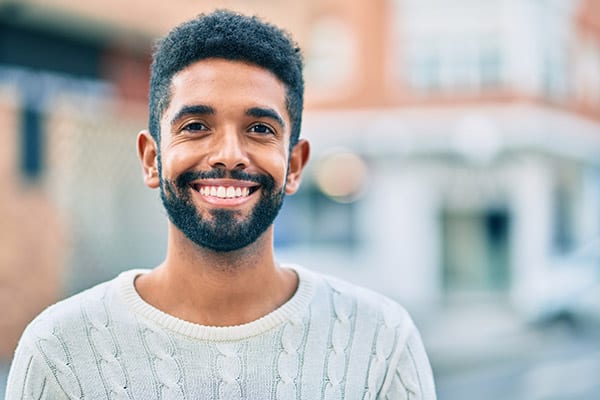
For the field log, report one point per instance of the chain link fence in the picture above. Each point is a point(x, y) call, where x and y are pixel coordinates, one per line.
point(94, 176)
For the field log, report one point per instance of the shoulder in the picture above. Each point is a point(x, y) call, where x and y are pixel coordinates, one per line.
point(384, 335)
point(69, 317)
point(365, 301)
point(50, 343)
point(370, 316)
point(70, 335)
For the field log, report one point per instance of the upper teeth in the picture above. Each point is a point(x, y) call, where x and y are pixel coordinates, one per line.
point(224, 192)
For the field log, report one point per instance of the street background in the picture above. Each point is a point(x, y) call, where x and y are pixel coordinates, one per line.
point(455, 167)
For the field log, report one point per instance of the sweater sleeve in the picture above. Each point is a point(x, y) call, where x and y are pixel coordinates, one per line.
point(411, 378)
point(30, 377)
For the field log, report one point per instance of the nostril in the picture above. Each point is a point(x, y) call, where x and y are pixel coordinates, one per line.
point(229, 167)
point(228, 155)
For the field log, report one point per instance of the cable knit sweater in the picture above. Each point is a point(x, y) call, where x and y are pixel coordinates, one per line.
point(331, 340)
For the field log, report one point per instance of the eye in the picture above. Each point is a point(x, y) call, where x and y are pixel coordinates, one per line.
point(261, 129)
point(194, 127)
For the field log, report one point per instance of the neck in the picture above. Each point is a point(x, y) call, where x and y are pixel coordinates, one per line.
point(189, 258)
point(217, 288)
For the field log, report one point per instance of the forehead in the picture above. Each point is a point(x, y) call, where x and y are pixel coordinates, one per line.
point(225, 84)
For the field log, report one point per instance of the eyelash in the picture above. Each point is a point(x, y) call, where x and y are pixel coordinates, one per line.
point(268, 129)
point(199, 126)
point(193, 126)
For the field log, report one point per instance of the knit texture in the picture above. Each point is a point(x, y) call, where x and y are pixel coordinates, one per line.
point(331, 340)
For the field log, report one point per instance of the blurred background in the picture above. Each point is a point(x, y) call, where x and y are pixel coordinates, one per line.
point(455, 168)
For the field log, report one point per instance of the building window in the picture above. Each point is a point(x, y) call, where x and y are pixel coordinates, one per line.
point(586, 74)
point(490, 65)
point(563, 221)
point(459, 63)
point(554, 75)
point(448, 48)
point(31, 142)
point(554, 31)
point(424, 65)
point(330, 54)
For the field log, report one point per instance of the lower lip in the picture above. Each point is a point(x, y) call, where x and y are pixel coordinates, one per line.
point(220, 202)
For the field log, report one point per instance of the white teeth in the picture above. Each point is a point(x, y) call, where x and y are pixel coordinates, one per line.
point(224, 192)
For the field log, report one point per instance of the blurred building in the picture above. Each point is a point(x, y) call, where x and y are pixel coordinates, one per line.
point(456, 145)
point(479, 126)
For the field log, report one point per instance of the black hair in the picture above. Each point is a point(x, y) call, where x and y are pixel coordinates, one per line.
point(231, 36)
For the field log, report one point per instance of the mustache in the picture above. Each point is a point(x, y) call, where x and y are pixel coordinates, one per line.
point(187, 177)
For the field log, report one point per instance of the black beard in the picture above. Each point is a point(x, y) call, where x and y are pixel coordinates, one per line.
point(223, 231)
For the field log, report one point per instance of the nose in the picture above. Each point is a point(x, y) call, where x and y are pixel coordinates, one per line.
point(228, 151)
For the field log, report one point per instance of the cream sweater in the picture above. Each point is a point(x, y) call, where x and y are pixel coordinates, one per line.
point(331, 340)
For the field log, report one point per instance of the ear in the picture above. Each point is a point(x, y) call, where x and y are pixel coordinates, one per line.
point(298, 159)
point(147, 151)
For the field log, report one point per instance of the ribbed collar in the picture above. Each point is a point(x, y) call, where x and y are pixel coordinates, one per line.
point(297, 304)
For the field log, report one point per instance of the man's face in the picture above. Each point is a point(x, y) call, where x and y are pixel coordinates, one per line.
point(223, 161)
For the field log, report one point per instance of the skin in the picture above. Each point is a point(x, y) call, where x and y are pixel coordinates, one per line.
point(194, 283)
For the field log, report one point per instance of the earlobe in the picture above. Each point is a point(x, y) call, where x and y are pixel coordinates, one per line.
point(299, 156)
point(147, 152)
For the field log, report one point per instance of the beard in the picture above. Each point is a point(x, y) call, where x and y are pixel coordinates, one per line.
point(223, 230)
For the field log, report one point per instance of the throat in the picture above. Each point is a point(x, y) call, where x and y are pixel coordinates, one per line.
point(218, 299)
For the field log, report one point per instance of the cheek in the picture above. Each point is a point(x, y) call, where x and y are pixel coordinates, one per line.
point(276, 165)
point(174, 162)
point(183, 154)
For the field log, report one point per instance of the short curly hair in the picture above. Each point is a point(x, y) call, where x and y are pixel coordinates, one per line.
point(231, 36)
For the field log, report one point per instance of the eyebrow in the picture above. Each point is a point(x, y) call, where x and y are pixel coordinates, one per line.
point(201, 109)
point(197, 109)
point(260, 112)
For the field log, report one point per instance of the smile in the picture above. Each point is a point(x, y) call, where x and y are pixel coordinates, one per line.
point(224, 192)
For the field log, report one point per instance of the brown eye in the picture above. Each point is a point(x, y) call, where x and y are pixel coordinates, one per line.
point(194, 127)
point(261, 129)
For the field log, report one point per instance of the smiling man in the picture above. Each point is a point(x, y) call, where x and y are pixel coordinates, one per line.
point(220, 318)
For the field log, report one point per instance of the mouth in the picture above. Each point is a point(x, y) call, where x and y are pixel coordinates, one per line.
point(226, 191)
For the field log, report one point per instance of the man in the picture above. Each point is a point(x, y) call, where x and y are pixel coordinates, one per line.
point(219, 318)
